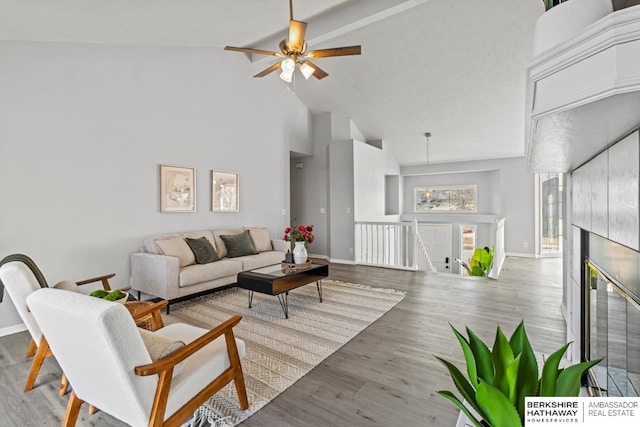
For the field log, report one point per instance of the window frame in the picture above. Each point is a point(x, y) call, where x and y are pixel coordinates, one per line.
point(435, 188)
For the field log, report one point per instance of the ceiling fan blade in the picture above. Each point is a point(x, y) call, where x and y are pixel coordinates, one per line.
point(318, 72)
point(250, 50)
point(336, 51)
point(268, 70)
point(297, 31)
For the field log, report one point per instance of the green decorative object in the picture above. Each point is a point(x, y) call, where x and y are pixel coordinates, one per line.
point(480, 263)
point(114, 295)
point(498, 380)
point(99, 293)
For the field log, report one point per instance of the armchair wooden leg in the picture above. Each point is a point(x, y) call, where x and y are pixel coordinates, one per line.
point(41, 353)
point(234, 359)
point(92, 409)
point(64, 385)
point(73, 408)
point(31, 350)
point(241, 389)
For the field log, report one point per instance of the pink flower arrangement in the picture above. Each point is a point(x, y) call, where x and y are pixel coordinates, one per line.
point(301, 233)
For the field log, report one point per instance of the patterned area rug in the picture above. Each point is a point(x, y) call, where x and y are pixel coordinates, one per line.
point(280, 351)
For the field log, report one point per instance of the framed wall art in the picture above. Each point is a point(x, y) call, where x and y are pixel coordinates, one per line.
point(225, 193)
point(177, 189)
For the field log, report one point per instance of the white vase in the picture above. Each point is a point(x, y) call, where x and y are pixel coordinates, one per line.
point(299, 253)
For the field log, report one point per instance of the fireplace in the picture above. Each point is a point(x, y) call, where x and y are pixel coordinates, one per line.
point(611, 321)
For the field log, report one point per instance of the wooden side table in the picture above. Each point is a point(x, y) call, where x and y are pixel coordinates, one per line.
point(150, 322)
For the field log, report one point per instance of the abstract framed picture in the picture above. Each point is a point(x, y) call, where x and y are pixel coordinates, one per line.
point(177, 189)
point(225, 193)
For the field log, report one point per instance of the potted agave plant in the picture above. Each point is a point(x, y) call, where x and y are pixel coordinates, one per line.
point(498, 380)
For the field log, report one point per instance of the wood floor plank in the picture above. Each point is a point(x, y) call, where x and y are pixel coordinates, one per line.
point(386, 376)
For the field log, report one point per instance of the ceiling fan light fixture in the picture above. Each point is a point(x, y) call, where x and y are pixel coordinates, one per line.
point(287, 77)
point(288, 66)
point(306, 70)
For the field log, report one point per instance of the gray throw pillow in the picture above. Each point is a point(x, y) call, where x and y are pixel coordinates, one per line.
point(203, 250)
point(239, 244)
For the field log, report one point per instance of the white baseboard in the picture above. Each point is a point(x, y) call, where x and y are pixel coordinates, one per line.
point(10, 330)
point(342, 261)
point(337, 261)
point(519, 255)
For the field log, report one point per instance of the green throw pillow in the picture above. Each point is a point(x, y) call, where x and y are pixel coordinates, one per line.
point(203, 250)
point(239, 244)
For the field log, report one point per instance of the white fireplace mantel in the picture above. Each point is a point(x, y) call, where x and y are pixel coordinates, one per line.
point(583, 84)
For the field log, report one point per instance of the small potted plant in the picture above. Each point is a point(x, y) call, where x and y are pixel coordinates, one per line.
point(115, 295)
point(498, 380)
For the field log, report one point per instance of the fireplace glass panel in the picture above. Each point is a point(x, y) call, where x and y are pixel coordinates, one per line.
point(614, 336)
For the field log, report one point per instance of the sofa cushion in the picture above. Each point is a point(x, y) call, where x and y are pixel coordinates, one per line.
point(152, 247)
point(221, 249)
point(239, 244)
point(202, 250)
point(177, 247)
point(261, 260)
point(198, 273)
point(260, 238)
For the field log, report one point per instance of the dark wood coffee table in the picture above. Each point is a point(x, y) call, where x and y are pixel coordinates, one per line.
point(273, 280)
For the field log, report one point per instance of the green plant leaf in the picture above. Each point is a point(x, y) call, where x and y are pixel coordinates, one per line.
point(496, 408)
point(469, 357)
point(550, 372)
point(568, 383)
point(477, 270)
point(462, 406)
point(462, 384)
point(528, 373)
point(512, 379)
point(502, 357)
point(482, 355)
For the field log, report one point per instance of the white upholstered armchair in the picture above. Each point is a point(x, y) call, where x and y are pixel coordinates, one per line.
point(108, 365)
point(21, 276)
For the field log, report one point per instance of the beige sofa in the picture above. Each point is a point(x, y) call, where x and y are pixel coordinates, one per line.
point(166, 267)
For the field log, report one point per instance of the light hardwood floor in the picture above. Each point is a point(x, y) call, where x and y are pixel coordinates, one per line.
point(386, 376)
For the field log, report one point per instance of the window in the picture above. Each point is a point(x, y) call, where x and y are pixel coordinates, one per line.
point(550, 212)
point(467, 244)
point(459, 198)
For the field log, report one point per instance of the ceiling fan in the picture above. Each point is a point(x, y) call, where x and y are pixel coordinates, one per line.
point(294, 51)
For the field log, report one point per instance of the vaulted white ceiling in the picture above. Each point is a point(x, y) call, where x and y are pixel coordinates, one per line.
point(455, 68)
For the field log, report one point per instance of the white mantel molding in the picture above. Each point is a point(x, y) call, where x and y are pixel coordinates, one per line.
point(583, 92)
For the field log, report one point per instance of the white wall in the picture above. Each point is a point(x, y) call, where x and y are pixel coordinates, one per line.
point(511, 194)
point(85, 128)
point(370, 165)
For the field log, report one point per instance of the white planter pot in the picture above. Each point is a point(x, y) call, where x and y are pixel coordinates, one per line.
point(299, 253)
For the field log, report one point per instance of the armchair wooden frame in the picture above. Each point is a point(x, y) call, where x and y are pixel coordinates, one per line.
point(164, 369)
